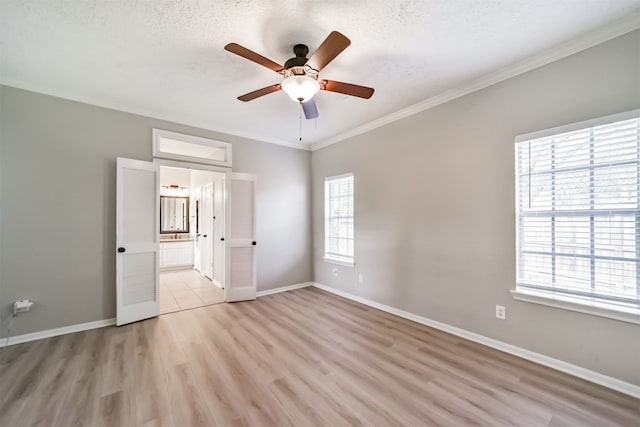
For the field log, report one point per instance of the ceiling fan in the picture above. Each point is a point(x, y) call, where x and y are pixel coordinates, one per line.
point(300, 74)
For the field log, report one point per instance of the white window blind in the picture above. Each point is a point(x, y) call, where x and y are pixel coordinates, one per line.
point(578, 212)
point(338, 204)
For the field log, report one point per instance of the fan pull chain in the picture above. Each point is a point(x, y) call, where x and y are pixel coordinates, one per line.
point(300, 117)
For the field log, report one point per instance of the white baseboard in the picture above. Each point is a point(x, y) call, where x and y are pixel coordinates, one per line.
point(108, 322)
point(217, 283)
point(576, 371)
point(57, 331)
point(284, 289)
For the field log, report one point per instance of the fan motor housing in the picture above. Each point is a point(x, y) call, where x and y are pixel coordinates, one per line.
point(301, 51)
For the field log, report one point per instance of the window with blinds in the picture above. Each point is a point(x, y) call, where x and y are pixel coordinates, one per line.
point(338, 193)
point(578, 212)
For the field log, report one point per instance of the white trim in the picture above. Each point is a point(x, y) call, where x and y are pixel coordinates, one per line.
point(216, 283)
point(18, 339)
point(603, 34)
point(599, 121)
point(577, 371)
point(344, 175)
point(188, 165)
point(283, 289)
point(580, 305)
point(338, 261)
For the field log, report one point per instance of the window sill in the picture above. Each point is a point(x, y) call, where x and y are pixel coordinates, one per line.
point(623, 313)
point(339, 261)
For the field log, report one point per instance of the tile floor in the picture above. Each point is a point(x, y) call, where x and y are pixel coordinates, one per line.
point(184, 289)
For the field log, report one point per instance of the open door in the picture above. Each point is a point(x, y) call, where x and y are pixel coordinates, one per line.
point(241, 238)
point(207, 227)
point(137, 240)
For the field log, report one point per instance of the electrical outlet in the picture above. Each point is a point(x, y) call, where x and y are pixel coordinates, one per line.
point(22, 306)
point(360, 278)
point(501, 312)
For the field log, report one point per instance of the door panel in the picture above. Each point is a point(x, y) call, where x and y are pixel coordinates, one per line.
point(241, 226)
point(208, 228)
point(219, 255)
point(137, 240)
point(137, 203)
point(240, 258)
point(139, 274)
point(197, 256)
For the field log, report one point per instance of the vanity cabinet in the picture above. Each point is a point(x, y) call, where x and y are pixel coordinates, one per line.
point(176, 254)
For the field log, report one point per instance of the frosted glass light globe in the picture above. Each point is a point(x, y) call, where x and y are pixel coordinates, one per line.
point(300, 88)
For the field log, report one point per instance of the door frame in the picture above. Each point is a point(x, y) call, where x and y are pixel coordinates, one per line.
point(225, 208)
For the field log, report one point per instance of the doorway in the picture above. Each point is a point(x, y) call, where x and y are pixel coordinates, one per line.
point(138, 218)
point(191, 258)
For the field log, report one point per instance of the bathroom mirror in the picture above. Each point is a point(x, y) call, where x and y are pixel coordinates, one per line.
point(174, 214)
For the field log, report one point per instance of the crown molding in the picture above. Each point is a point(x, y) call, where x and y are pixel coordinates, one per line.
point(148, 113)
point(593, 38)
point(585, 41)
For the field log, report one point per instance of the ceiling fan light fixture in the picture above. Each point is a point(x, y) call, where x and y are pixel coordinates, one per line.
point(300, 88)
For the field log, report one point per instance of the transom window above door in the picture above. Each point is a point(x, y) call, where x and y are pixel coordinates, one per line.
point(177, 146)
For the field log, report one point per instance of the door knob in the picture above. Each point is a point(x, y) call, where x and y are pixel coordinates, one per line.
point(253, 243)
point(204, 235)
point(222, 239)
point(121, 249)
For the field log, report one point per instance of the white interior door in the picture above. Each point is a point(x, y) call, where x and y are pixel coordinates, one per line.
point(241, 238)
point(197, 224)
point(218, 231)
point(137, 240)
point(208, 230)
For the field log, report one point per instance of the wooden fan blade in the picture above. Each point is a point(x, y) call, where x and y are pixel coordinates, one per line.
point(252, 56)
point(328, 50)
point(346, 88)
point(310, 109)
point(258, 93)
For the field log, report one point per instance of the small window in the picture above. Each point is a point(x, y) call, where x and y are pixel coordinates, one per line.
point(177, 146)
point(338, 208)
point(578, 212)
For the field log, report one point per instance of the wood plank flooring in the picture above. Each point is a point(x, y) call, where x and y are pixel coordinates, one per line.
point(299, 358)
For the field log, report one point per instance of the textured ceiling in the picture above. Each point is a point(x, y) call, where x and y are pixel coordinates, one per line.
point(166, 59)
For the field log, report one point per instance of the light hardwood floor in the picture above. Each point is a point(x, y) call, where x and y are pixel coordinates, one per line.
point(299, 358)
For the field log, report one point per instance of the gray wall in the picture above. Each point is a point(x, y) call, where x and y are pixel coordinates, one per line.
point(434, 207)
point(58, 188)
